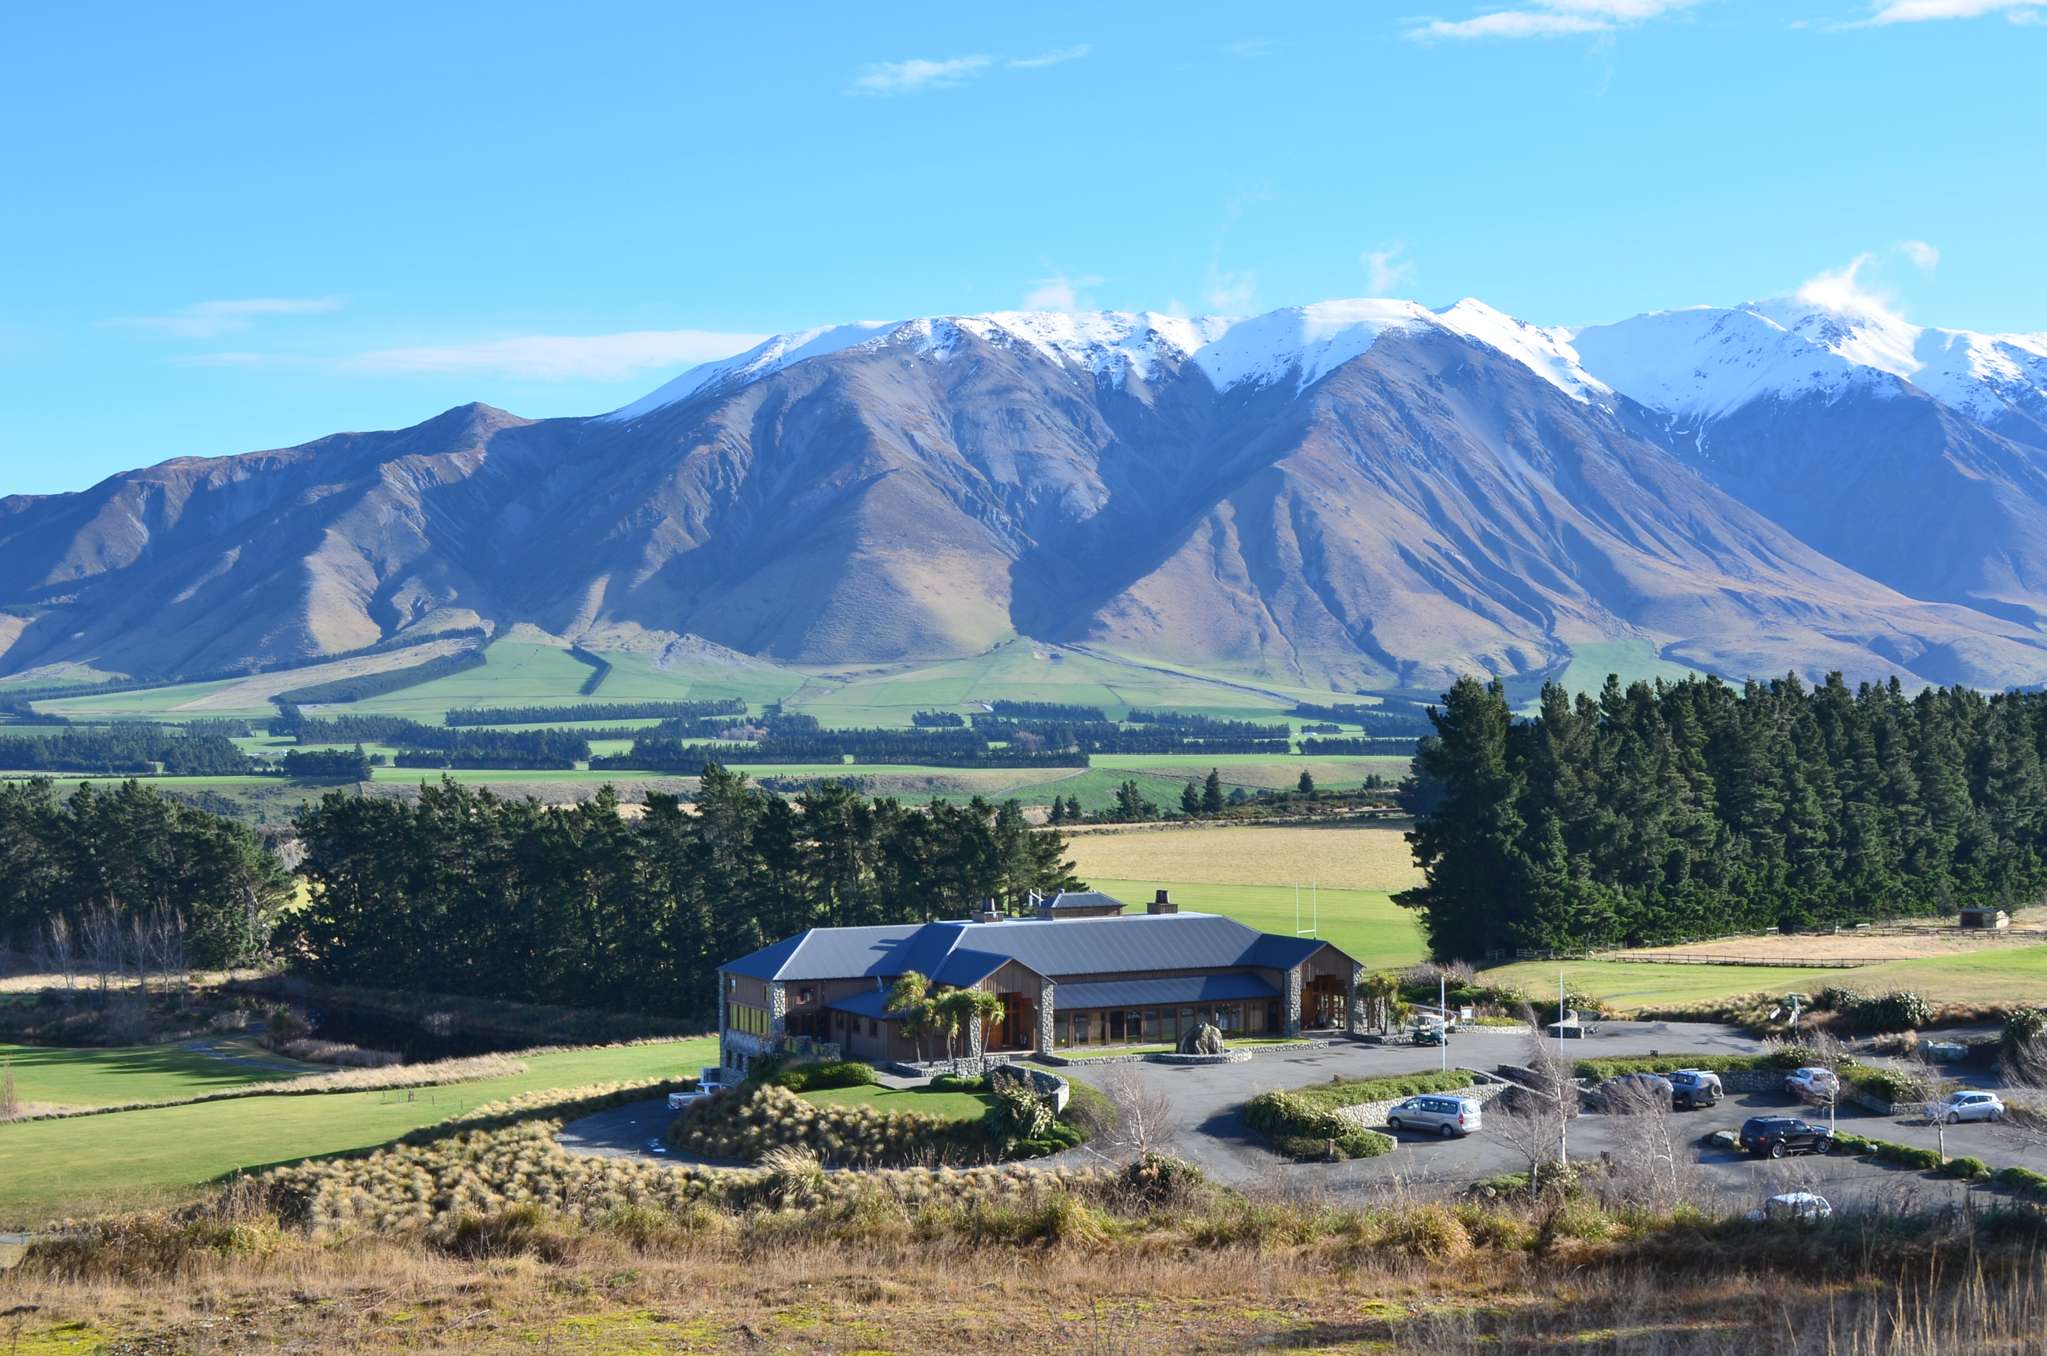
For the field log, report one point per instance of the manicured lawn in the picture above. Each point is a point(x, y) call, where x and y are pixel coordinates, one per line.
point(1367, 924)
point(1993, 975)
point(951, 1106)
point(57, 1076)
point(83, 1164)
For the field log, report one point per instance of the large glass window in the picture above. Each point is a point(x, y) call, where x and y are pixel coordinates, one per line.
point(1115, 1026)
point(747, 1018)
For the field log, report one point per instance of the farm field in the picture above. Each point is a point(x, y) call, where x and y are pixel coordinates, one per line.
point(131, 1158)
point(1993, 975)
point(1349, 856)
point(56, 1076)
point(1378, 933)
point(249, 697)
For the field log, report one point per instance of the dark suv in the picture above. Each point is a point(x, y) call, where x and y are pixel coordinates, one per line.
point(1776, 1136)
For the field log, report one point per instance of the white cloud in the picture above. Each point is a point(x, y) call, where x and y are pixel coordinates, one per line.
point(1842, 289)
point(1921, 254)
point(1053, 58)
point(1922, 11)
point(1227, 291)
point(1059, 292)
point(1386, 271)
point(205, 319)
point(905, 77)
point(548, 357)
point(1548, 19)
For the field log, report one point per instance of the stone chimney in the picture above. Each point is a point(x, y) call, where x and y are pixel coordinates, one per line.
point(1161, 903)
point(990, 912)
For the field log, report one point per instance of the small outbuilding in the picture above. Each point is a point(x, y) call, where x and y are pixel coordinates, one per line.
point(1990, 919)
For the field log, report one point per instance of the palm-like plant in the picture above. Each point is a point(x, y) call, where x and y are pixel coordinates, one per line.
point(910, 999)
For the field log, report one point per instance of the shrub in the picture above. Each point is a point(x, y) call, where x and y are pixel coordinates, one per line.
point(2022, 1027)
point(1837, 998)
point(2023, 1182)
point(947, 1082)
point(1899, 1010)
point(1301, 1130)
point(1968, 1169)
point(843, 1073)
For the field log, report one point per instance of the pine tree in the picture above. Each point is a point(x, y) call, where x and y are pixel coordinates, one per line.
point(1212, 793)
point(1306, 784)
point(1190, 800)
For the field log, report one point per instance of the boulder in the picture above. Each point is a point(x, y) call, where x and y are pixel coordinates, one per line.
point(1202, 1040)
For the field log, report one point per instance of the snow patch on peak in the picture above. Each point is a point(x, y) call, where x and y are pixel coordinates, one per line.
point(1546, 352)
point(772, 355)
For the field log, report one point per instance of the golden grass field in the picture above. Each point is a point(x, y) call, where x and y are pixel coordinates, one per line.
point(1343, 856)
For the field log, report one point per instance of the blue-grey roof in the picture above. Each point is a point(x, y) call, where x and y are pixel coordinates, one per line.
point(866, 1003)
point(965, 953)
point(1162, 992)
point(1084, 899)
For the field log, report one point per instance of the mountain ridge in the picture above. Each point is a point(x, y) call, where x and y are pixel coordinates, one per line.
point(1358, 493)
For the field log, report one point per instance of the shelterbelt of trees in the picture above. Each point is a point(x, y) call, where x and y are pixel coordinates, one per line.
point(1687, 809)
point(101, 862)
point(464, 892)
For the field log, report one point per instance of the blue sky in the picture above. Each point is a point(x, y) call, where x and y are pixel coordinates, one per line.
point(235, 227)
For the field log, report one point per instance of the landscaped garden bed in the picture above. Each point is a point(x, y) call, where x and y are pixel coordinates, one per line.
point(1310, 1123)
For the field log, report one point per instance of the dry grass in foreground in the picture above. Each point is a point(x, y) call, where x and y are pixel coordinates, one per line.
point(1341, 856)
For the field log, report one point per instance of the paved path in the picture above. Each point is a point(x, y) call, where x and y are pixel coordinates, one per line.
point(216, 1049)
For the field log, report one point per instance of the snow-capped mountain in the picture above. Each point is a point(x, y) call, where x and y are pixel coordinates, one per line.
point(1708, 362)
point(1301, 344)
point(1366, 493)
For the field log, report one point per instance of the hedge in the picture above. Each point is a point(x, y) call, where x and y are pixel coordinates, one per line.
point(1343, 1092)
point(2023, 1182)
point(1791, 1057)
point(843, 1073)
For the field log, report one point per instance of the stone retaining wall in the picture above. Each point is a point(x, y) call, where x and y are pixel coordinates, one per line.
point(1229, 1056)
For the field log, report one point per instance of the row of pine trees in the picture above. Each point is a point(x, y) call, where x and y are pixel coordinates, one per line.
point(463, 892)
point(1691, 809)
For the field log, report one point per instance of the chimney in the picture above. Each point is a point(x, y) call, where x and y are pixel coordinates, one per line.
point(1161, 903)
point(990, 911)
point(1044, 909)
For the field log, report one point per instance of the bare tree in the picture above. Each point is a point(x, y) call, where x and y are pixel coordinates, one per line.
point(55, 953)
point(1925, 1088)
point(10, 1102)
point(1538, 1125)
point(1144, 1114)
point(1650, 1165)
point(99, 930)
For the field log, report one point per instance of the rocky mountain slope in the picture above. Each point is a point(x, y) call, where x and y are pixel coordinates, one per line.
point(1362, 493)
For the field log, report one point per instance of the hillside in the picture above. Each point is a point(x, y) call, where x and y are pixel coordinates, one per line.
point(1349, 495)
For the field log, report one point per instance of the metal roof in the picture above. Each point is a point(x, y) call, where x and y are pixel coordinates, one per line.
point(961, 953)
point(1084, 899)
point(1162, 992)
point(866, 1003)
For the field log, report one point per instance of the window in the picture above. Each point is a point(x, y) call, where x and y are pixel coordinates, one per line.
point(1080, 1028)
point(745, 1017)
point(806, 994)
point(1115, 1026)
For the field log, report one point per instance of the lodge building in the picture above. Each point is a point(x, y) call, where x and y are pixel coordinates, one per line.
point(1078, 971)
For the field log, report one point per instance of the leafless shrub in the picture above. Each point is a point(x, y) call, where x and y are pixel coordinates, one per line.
point(1144, 1115)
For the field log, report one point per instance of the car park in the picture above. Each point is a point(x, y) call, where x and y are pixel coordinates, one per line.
point(1969, 1104)
point(1776, 1136)
point(1694, 1088)
point(1813, 1084)
point(1446, 1116)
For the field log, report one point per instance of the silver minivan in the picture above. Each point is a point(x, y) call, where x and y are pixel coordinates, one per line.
point(1446, 1116)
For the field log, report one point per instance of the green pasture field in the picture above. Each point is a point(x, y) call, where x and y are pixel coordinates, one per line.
point(71, 1077)
point(1367, 924)
point(950, 1106)
point(1630, 660)
point(120, 1159)
point(1995, 974)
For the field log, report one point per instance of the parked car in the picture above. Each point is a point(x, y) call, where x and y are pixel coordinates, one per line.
point(1694, 1087)
point(1446, 1116)
point(1795, 1205)
point(1814, 1085)
point(1636, 1090)
point(709, 1083)
point(1970, 1105)
point(1431, 1034)
point(1776, 1136)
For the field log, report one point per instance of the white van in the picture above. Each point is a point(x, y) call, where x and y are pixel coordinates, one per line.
point(1446, 1116)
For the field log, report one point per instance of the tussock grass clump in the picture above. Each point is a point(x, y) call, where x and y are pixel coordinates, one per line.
point(745, 1126)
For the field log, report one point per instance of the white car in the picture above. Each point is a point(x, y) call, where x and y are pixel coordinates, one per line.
point(712, 1081)
point(1795, 1205)
point(1968, 1105)
point(1446, 1116)
point(1814, 1085)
